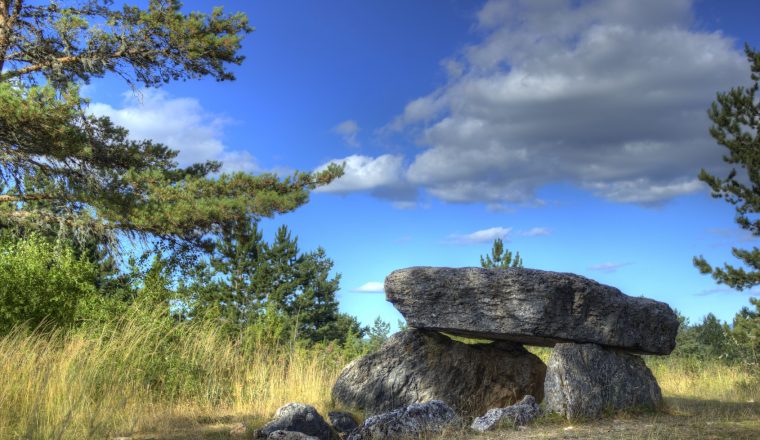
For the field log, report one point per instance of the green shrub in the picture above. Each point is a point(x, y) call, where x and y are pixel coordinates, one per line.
point(42, 283)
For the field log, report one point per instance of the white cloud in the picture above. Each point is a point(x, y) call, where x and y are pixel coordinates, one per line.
point(370, 287)
point(180, 123)
point(607, 267)
point(348, 130)
point(536, 232)
point(608, 96)
point(382, 176)
point(482, 236)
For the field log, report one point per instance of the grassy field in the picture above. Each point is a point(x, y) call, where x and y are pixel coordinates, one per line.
point(149, 381)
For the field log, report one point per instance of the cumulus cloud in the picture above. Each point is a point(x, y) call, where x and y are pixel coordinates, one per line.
point(180, 123)
point(370, 287)
point(348, 130)
point(608, 96)
point(382, 176)
point(607, 267)
point(482, 236)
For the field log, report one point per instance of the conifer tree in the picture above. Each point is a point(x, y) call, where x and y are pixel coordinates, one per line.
point(65, 170)
point(736, 125)
point(500, 257)
point(247, 278)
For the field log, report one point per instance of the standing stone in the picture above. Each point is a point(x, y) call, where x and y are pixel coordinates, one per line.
point(519, 414)
point(531, 307)
point(417, 365)
point(585, 380)
point(410, 421)
point(297, 417)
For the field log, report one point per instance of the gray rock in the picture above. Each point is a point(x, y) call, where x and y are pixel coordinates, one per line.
point(531, 307)
point(519, 414)
point(297, 417)
point(342, 422)
point(586, 380)
point(417, 365)
point(413, 420)
point(290, 435)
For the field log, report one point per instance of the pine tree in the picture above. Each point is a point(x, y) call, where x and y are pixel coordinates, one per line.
point(378, 334)
point(72, 173)
point(247, 278)
point(736, 125)
point(500, 257)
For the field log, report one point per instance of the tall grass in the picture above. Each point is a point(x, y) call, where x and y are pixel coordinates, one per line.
point(142, 373)
point(706, 379)
point(146, 373)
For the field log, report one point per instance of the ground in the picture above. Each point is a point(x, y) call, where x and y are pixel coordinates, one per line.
point(682, 418)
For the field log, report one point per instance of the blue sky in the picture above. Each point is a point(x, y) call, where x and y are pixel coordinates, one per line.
point(573, 130)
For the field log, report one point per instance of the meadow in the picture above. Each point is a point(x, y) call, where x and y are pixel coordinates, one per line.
point(145, 378)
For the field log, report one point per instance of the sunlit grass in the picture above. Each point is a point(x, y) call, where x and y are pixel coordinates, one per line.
point(141, 376)
point(147, 378)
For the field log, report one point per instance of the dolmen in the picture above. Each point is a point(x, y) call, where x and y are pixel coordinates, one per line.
point(597, 333)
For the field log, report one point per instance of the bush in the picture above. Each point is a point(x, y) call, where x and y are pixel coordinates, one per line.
point(42, 283)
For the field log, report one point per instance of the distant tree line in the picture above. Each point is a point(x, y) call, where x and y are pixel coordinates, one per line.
point(738, 342)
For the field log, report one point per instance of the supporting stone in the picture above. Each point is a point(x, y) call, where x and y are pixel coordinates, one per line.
point(586, 380)
point(416, 366)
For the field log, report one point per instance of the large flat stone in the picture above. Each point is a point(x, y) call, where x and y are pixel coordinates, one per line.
point(530, 306)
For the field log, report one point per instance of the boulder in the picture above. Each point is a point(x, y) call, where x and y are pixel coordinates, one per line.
point(297, 417)
point(586, 380)
point(342, 422)
point(531, 307)
point(519, 414)
point(416, 366)
point(410, 421)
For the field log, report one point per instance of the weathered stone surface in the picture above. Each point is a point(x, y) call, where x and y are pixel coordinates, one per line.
point(412, 420)
point(290, 435)
point(297, 417)
point(417, 365)
point(342, 422)
point(585, 380)
point(519, 414)
point(530, 306)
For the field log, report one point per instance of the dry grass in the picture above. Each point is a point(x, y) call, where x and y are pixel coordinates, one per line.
point(152, 381)
point(149, 378)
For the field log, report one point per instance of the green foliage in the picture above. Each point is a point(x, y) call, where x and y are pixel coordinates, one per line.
point(42, 283)
point(711, 339)
point(746, 333)
point(707, 340)
point(736, 125)
point(247, 280)
point(500, 257)
point(378, 334)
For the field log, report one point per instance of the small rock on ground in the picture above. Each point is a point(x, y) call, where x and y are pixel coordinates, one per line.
point(519, 415)
point(290, 435)
point(297, 417)
point(342, 422)
point(412, 420)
